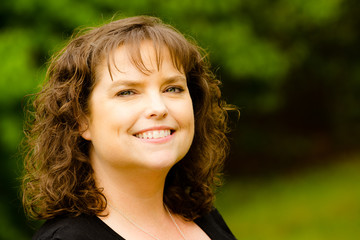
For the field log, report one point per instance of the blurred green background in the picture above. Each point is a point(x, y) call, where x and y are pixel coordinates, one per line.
point(293, 69)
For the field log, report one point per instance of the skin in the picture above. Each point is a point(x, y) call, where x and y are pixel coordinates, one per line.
point(127, 109)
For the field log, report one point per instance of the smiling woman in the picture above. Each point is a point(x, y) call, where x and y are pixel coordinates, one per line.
point(127, 140)
point(128, 108)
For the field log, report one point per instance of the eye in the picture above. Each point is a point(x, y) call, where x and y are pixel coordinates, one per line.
point(174, 89)
point(125, 93)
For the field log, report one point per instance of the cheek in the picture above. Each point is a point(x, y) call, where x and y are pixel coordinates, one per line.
point(185, 114)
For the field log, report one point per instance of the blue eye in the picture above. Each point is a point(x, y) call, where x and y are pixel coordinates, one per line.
point(174, 89)
point(125, 93)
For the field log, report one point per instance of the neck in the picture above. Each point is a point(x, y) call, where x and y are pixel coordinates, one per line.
point(136, 207)
point(136, 192)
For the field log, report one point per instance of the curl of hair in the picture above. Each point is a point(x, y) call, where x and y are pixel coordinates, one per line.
point(58, 177)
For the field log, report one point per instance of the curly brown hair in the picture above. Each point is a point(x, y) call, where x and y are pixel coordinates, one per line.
point(58, 177)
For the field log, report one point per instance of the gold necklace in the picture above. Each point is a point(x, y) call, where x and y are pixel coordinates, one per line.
point(143, 230)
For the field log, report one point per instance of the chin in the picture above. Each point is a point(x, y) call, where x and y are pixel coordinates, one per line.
point(161, 163)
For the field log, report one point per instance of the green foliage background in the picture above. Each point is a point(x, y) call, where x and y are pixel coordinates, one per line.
point(292, 67)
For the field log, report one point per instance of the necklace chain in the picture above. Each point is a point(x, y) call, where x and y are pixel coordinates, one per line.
point(178, 228)
point(143, 230)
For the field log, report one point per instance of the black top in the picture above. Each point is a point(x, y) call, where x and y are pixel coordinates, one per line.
point(87, 227)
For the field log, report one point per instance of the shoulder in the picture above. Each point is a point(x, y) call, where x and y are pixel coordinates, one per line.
point(83, 227)
point(214, 225)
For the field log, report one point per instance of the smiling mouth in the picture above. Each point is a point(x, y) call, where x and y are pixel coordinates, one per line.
point(155, 134)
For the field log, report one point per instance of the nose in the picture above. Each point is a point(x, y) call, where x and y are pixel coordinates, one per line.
point(155, 107)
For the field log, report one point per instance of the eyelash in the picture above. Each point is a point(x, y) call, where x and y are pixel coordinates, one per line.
point(130, 92)
point(177, 89)
point(125, 93)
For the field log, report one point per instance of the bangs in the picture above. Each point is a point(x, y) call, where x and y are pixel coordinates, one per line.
point(162, 38)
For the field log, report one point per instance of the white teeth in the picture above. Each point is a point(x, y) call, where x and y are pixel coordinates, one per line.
point(153, 134)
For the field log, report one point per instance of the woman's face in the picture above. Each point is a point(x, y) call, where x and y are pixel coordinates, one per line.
point(139, 120)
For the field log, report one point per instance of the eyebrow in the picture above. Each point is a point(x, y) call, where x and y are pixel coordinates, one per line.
point(135, 83)
point(174, 79)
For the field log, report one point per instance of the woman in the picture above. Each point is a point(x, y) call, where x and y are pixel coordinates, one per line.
point(127, 139)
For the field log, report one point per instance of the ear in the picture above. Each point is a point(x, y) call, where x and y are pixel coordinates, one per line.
point(84, 128)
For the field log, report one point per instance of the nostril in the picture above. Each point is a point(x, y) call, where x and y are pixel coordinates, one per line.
point(160, 113)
